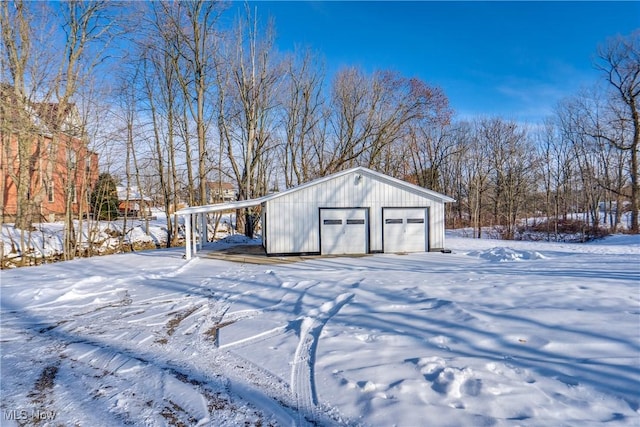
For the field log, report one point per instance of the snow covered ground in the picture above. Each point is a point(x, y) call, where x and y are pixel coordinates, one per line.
point(494, 334)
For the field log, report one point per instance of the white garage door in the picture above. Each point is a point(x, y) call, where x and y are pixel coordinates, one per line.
point(343, 231)
point(405, 230)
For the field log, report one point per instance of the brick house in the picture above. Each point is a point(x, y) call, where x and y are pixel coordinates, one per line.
point(60, 160)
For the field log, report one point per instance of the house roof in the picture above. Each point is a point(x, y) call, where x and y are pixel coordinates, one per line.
point(46, 117)
point(134, 194)
point(57, 119)
point(220, 185)
point(362, 170)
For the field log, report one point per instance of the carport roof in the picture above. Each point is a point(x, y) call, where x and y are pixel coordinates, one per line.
point(222, 207)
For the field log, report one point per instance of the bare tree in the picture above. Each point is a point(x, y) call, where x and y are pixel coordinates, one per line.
point(431, 145)
point(477, 173)
point(247, 107)
point(371, 116)
point(158, 89)
point(577, 117)
point(56, 74)
point(454, 171)
point(86, 27)
point(197, 45)
point(512, 159)
point(17, 24)
point(350, 101)
point(619, 60)
point(302, 109)
point(556, 169)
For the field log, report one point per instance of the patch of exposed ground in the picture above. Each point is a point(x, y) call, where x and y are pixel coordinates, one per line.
point(44, 384)
point(175, 321)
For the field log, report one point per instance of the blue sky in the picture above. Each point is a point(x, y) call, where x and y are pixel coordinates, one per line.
point(513, 59)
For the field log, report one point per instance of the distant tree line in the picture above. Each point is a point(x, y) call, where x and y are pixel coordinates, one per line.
point(178, 94)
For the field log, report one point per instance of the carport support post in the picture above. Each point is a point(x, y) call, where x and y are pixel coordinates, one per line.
point(197, 225)
point(187, 235)
point(194, 234)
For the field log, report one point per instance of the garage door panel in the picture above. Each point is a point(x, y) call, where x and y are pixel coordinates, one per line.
point(393, 234)
point(404, 230)
point(343, 231)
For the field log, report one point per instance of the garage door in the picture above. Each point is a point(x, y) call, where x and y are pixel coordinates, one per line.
point(404, 229)
point(343, 231)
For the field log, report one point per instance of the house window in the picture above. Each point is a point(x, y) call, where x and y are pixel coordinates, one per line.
point(50, 196)
point(87, 164)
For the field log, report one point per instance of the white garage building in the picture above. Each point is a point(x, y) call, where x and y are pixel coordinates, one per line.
point(356, 211)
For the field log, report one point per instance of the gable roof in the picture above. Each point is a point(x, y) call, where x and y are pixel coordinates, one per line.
point(46, 117)
point(360, 169)
point(56, 119)
point(372, 174)
point(215, 185)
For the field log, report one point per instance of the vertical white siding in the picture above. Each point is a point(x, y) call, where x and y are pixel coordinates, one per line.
point(292, 220)
point(436, 222)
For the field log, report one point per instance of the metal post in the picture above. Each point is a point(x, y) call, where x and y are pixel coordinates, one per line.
point(195, 240)
point(187, 235)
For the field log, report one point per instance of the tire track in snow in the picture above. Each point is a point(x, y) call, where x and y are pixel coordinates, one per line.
point(302, 368)
point(259, 386)
point(152, 389)
point(293, 298)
